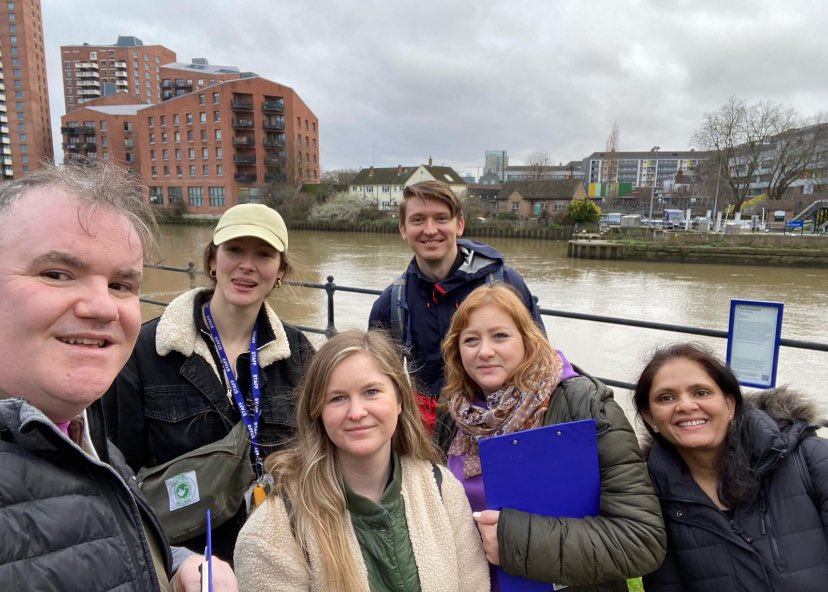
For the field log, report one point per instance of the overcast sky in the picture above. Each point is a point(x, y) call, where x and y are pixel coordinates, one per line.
point(396, 81)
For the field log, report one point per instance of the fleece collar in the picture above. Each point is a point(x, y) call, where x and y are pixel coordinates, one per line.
point(178, 332)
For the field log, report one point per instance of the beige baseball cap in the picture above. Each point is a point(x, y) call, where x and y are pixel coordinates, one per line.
point(256, 220)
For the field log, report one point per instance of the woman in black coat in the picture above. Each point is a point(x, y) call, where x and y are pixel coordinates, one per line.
point(743, 482)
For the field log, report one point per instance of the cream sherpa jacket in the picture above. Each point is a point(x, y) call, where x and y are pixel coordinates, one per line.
point(445, 541)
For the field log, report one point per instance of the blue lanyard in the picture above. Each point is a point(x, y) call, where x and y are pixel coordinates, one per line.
point(252, 424)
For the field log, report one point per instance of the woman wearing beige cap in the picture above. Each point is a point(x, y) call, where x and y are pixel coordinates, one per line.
point(208, 391)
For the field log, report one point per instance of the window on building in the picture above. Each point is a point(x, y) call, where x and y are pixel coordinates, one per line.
point(178, 153)
point(179, 171)
point(166, 171)
point(216, 97)
point(152, 138)
point(189, 118)
point(216, 197)
point(104, 141)
point(165, 154)
point(195, 195)
point(204, 135)
point(202, 117)
point(201, 99)
point(205, 170)
point(219, 153)
point(176, 119)
point(177, 137)
point(127, 126)
point(192, 170)
point(152, 155)
point(151, 121)
point(154, 171)
point(190, 136)
point(205, 153)
point(219, 170)
point(156, 195)
point(164, 137)
point(175, 195)
point(216, 116)
point(217, 134)
point(191, 154)
point(163, 120)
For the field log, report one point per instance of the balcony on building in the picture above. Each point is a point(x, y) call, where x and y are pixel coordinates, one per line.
point(166, 83)
point(242, 103)
point(274, 123)
point(244, 159)
point(273, 105)
point(242, 123)
point(274, 177)
point(71, 147)
point(274, 142)
point(244, 141)
point(245, 177)
point(90, 147)
point(276, 159)
point(128, 143)
point(78, 130)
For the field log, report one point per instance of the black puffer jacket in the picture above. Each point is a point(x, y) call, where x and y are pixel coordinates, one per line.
point(594, 554)
point(69, 522)
point(170, 397)
point(777, 543)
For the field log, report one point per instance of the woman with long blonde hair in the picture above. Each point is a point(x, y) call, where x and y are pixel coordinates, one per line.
point(359, 502)
point(503, 376)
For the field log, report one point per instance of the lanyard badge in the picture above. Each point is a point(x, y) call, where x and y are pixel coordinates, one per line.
point(251, 423)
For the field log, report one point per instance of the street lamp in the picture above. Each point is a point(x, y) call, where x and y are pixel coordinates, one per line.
point(655, 150)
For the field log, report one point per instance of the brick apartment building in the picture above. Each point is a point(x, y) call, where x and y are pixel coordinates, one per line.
point(208, 149)
point(94, 71)
point(6, 171)
point(25, 132)
point(103, 129)
point(180, 79)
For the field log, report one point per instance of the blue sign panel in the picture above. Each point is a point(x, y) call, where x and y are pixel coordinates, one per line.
point(795, 224)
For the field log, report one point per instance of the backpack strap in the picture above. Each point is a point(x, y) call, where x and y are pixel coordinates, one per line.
point(292, 518)
point(400, 320)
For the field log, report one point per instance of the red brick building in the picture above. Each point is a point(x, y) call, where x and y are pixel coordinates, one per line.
point(180, 79)
point(103, 129)
point(94, 71)
point(29, 135)
point(214, 148)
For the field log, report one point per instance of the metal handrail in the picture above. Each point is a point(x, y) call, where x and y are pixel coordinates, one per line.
point(331, 288)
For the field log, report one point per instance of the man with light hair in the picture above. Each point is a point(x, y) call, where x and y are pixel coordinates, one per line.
point(417, 308)
point(72, 245)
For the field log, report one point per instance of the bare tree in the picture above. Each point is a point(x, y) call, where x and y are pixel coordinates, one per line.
point(612, 163)
point(742, 135)
point(339, 176)
point(539, 163)
point(795, 154)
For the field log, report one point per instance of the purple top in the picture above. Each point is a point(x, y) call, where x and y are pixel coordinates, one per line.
point(474, 485)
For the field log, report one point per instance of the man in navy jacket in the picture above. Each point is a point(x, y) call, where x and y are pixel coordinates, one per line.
point(417, 308)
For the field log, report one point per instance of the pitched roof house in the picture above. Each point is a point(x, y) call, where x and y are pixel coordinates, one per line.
point(531, 198)
point(383, 187)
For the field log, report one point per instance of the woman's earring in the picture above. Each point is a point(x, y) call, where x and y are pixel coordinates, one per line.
point(213, 273)
point(655, 429)
point(278, 282)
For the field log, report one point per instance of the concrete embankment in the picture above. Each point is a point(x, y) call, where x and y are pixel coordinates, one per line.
point(768, 250)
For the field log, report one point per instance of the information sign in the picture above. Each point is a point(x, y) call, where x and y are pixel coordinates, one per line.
point(753, 341)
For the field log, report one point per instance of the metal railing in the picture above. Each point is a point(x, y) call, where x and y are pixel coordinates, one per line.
point(331, 288)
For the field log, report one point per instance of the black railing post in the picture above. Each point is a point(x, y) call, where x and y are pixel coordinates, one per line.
point(330, 288)
point(191, 273)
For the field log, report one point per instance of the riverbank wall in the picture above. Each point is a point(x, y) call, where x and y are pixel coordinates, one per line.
point(764, 250)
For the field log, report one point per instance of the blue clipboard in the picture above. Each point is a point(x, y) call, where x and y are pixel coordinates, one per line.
point(552, 471)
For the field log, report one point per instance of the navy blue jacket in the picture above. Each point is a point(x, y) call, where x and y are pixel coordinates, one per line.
point(432, 304)
point(778, 542)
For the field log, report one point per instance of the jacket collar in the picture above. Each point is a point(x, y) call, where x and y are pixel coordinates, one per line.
point(477, 260)
point(178, 332)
